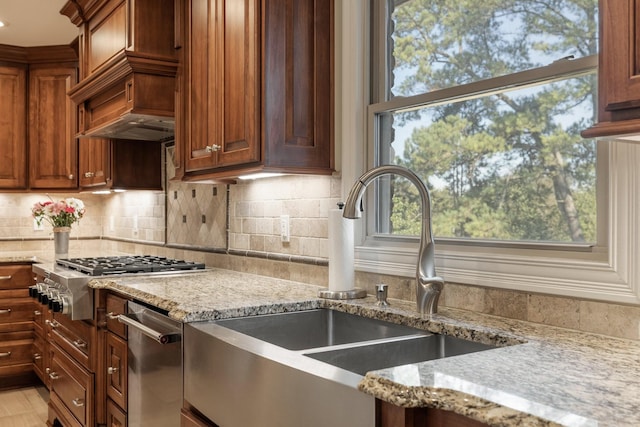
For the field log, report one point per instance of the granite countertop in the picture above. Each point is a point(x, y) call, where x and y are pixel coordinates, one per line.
point(540, 375)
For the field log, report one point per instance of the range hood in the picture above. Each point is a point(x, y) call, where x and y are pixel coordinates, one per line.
point(137, 127)
point(131, 97)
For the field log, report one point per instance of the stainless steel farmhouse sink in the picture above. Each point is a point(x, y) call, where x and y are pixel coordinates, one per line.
point(299, 369)
point(370, 357)
point(301, 330)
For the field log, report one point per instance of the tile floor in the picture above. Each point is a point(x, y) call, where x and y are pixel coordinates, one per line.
point(24, 407)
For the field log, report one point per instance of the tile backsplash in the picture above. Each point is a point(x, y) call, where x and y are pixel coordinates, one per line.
point(245, 218)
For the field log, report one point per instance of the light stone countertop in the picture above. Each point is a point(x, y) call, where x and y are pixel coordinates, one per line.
point(540, 375)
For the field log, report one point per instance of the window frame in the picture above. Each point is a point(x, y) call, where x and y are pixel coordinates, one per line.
point(606, 272)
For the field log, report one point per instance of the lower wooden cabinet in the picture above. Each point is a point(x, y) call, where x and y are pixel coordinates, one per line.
point(389, 415)
point(117, 370)
point(17, 336)
point(116, 417)
point(73, 386)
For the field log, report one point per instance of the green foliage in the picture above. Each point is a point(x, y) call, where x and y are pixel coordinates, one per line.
point(508, 166)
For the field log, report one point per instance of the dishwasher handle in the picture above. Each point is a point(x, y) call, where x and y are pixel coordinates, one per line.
point(161, 337)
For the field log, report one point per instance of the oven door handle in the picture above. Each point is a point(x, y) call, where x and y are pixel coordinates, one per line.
point(160, 337)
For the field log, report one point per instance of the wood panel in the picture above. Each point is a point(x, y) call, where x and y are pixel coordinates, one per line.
point(94, 162)
point(52, 143)
point(13, 115)
point(117, 370)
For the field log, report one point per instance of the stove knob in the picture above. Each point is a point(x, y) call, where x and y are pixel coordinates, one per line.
point(33, 291)
point(56, 306)
point(65, 305)
point(43, 298)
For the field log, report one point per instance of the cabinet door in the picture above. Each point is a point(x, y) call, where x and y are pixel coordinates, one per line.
point(94, 162)
point(222, 83)
point(298, 84)
point(115, 416)
point(52, 145)
point(620, 65)
point(13, 115)
point(117, 370)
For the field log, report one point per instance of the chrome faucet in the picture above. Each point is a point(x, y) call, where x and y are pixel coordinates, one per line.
point(428, 285)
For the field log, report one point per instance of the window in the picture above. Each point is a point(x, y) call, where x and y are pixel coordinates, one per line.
point(602, 266)
point(485, 101)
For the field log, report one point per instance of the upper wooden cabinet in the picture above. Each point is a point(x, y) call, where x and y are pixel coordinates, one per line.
point(52, 143)
point(13, 113)
point(120, 164)
point(256, 88)
point(618, 71)
point(94, 162)
point(128, 65)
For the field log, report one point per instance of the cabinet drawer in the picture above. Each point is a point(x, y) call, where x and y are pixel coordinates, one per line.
point(59, 414)
point(16, 310)
point(73, 385)
point(39, 357)
point(73, 336)
point(117, 370)
point(115, 416)
point(15, 276)
point(116, 305)
point(16, 352)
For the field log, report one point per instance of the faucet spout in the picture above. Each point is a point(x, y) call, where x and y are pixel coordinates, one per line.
point(428, 285)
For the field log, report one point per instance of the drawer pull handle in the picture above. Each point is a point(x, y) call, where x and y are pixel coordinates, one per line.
point(5, 277)
point(80, 344)
point(111, 370)
point(54, 324)
point(5, 311)
point(112, 316)
point(37, 356)
point(37, 313)
point(78, 402)
point(7, 354)
point(53, 375)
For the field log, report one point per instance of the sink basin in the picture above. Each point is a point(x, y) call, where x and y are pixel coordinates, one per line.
point(302, 330)
point(370, 357)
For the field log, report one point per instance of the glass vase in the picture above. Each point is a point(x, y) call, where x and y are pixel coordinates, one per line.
point(61, 242)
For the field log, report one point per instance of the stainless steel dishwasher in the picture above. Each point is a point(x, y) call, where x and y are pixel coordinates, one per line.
point(155, 367)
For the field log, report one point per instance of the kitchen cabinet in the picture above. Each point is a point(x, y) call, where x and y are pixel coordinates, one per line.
point(94, 162)
point(120, 164)
point(74, 354)
point(618, 71)
point(128, 65)
point(73, 385)
point(13, 109)
point(52, 143)
point(256, 88)
point(389, 415)
point(115, 366)
point(16, 326)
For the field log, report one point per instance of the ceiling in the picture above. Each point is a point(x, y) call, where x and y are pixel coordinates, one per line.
point(35, 23)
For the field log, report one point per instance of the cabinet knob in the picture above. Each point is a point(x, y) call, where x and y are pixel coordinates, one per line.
point(53, 375)
point(7, 354)
point(80, 344)
point(71, 176)
point(111, 370)
point(37, 356)
point(37, 313)
point(213, 147)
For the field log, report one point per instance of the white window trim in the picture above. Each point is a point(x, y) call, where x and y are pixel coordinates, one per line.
point(614, 277)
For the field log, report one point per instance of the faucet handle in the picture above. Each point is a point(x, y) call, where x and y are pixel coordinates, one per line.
point(381, 294)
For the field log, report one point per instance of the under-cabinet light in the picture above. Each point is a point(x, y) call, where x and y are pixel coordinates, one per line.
point(260, 175)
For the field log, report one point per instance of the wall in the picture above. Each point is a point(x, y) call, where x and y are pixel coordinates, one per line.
point(254, 230)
